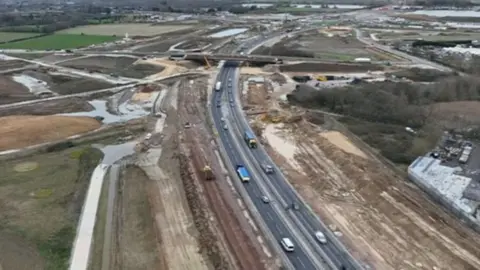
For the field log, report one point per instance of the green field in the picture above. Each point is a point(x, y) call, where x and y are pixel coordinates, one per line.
point(58, 41)
point(8, 36)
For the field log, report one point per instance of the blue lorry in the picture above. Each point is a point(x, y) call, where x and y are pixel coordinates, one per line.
point(250, 139)
point(243, 173)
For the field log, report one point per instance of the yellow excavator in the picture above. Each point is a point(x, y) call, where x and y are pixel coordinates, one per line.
point(207, 63)
point(273, 117)
point(207, 172)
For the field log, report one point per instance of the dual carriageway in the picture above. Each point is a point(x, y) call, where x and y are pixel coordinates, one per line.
point(279, 217)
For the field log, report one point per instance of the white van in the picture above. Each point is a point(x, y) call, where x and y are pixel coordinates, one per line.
point(287, 244)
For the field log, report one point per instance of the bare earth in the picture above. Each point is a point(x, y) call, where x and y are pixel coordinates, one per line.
point(172, 216)
point(170, 67)
point(11, 91)
point(137, 246)
point(385, 220)
point(339, 140)
point(21, 131)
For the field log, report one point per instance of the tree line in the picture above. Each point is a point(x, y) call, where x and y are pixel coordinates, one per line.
point(399, 103)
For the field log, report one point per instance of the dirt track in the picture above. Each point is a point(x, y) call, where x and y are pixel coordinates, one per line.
point(218, 194)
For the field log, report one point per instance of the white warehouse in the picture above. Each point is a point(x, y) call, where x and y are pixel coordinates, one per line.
point(447, 185)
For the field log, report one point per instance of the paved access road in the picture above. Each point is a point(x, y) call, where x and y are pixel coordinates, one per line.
point(276, 218)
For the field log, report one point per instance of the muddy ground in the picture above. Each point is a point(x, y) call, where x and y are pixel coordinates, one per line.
point(11, 91)
point(53, 58)
point(196, 43)
point(66, 85)
point(12, 64)
point(42, 197)
point(233, 230)
point(174, 221)
point(121, 66)
point(74, 104)
point(135, 243)
point(384, 219)
point(318, 44)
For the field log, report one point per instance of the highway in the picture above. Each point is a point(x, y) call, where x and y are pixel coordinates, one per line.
point(306, 222)
point(276, 218)
point(413, 59)
point(281, 219)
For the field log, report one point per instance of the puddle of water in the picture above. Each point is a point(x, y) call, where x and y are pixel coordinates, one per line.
point(115, 152)
point(36, 87)
point(447, 13)
point(4, 57)
point(228, 32)
point(341, 6)
point(129, 112)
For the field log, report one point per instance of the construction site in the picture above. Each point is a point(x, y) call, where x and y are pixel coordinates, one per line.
point(382, 217)
point(115, 155)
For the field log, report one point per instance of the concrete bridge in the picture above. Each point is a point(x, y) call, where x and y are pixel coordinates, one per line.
point(231, 57)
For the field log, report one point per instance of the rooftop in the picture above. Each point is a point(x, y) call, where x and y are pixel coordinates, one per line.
point(446, 180)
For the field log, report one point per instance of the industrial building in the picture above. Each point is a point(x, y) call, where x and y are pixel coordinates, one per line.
point(449, 185)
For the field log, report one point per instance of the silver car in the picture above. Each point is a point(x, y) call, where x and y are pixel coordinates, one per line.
point(267, 168)
point(265, 199)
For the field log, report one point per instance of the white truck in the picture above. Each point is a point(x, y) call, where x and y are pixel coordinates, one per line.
point(218, 85)
point(362, 60)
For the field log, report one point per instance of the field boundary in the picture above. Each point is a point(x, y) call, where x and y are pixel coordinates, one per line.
point(22, 39)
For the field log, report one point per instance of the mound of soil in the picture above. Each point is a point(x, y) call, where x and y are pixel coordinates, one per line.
point(21, 131)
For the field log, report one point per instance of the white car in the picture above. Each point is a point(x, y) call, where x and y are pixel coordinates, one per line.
point(287, 244)
point(320, 237)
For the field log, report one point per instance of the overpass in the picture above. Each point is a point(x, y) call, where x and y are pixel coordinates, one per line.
point(199, 56)
point(230, 57)
point(267, 59)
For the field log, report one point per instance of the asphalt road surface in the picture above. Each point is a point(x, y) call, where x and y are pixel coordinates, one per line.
point(274, 214)
point(305, 222)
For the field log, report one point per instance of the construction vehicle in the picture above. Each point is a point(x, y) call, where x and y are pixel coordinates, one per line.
point(207, 173)
point(250, 139)
point(207, 63)
point(201, 164)
point(325, 78)
point(273, 116)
